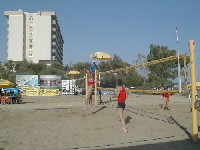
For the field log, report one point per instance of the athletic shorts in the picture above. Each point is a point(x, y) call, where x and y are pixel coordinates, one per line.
point(167, 99)
point(121, 105)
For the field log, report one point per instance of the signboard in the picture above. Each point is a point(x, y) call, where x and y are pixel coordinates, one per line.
point(68, 87)
point(42, 92)
point(26, 81)
point(50, 81)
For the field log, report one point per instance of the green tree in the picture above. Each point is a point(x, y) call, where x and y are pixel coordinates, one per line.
point(81, 67)
point(28, 68)
point(53, 69)
point(164, 72)
point(7, 71)
point(130, 77)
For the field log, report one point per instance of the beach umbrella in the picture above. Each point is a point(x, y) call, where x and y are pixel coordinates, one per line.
point(5, 84)
point(73, 73)
point(101, 56)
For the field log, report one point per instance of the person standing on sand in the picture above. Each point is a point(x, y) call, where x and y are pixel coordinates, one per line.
point(121, 97)
point(91, 83)
point(166, 97)
point(99, 91)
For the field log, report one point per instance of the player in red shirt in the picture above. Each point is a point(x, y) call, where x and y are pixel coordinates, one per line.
point(91, 82)
point(166, 97)
point(121, 97)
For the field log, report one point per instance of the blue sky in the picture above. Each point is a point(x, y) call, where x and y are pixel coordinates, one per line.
point(122, 27)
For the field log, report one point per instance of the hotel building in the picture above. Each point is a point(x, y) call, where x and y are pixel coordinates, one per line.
point(35, 37)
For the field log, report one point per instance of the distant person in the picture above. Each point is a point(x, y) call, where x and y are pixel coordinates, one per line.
point(121, 98)
point(93, 67)
point(2, 101)
point(162, 87)
point(99, 91)
point(1, 94)
point(4, 98)
point(91, 83)
point(166, 97)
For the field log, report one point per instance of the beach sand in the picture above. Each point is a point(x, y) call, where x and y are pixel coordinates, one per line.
point(60, 123)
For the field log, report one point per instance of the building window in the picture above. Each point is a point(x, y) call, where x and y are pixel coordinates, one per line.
point(30, 40)
point(30, 46)
point(30, 55)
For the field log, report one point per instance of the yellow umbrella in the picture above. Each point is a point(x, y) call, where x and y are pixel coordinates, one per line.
point(5, 84)
point(73, 72)
point(101, 56)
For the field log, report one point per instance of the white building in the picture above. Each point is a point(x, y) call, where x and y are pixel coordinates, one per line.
point(35, 37)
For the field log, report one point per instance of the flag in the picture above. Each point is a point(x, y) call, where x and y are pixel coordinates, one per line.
point(177, 35)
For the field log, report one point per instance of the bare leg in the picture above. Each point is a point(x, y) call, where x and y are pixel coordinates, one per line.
point(100, 101)
point(87, 101)
point(169, 105)
point(90, 101)
point(120, 115)
point(164, 106)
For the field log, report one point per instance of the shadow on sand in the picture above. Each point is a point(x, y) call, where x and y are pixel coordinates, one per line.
point(127, 119)
point(99, 109)
point(172, 145)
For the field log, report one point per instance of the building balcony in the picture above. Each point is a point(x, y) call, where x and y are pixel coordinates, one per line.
point(54, 36)
point(54, 50)
point(54, 29)
point(54, 43)
point(54, 22)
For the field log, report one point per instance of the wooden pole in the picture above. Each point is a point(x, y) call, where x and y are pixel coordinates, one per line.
point(185, 73)
point(193, 91)
point(95, 87)
point(86, 85)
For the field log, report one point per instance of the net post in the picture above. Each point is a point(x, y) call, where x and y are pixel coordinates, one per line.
point(86, 85)
point(193, 91)
point(95, 88)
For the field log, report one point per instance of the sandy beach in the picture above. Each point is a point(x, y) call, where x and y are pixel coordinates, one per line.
point(60, 123)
